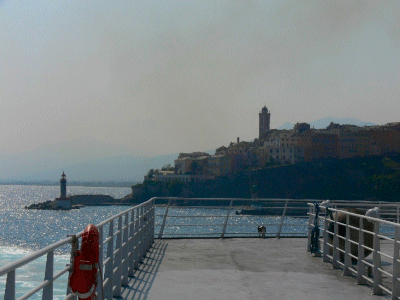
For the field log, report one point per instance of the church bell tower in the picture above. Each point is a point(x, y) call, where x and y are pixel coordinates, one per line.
point(264, 122)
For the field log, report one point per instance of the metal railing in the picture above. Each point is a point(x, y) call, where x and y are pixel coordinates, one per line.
point(364, 247)
point(126, 237)
point(130, 236)
point(238, 217)
point(230, 217)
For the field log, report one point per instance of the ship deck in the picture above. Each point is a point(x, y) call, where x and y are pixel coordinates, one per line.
point(251, 268)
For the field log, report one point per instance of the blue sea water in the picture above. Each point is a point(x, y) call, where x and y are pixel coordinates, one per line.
point(25, 231)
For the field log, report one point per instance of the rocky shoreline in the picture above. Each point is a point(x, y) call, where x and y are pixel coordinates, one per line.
point(51, 205)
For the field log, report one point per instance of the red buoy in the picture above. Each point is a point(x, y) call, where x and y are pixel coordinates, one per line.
point(83, 280)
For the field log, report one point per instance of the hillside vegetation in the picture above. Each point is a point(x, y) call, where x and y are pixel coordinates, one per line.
point(373, 178)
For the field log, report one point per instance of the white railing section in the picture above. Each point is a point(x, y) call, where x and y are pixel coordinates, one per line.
point(130, 235)
point(344, 243)
point(230, 217)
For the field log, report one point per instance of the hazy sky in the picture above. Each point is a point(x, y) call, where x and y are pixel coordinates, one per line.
point(175, 76)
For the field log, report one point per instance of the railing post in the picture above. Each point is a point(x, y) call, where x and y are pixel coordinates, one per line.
point(48, 276)
point(141, 235)
point(131, 240)
point(164, 220)
point(74, 247)
point(153, 222)
point(361, 255)
point(347, 249)
point(109, 267)
point(311, 211)
point(148, 226)
point(100, 282)
point(10, 286)
point(136, 240)
point(124, 262)
point(377, 262)
point(151, 227)
point(118, 261)
point(396, 264)
point(325, 233)
point(335, 250)
point(226, 219)
point(278, 235)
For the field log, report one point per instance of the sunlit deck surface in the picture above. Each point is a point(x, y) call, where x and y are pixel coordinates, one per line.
point(239, 269)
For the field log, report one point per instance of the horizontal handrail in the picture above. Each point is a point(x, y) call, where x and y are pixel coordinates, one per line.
point(371, 219)
point(23, 261)
point(335, 202)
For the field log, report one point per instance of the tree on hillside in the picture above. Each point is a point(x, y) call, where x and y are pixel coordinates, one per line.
point(150, 174)
point(174, 188)
point(168, 167)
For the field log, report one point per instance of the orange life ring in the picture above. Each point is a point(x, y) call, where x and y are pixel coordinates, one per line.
point(83, 280)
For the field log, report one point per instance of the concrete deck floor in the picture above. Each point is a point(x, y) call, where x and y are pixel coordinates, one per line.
point(239, 269)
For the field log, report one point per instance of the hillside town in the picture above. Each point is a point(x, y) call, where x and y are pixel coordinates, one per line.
point(275, 147)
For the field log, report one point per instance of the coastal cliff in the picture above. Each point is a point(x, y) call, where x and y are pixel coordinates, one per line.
point(369, 178)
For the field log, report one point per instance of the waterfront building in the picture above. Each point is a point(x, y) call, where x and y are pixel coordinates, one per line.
point(286, 155)
point(301, 127)
point(281, 138)
point(63, 201)
point(353, 143)
point(385, 140)
point(219, 165)
point(183, 165)
point(188, 163)
point(182, 177)
point(318, 144)
point(262, 156)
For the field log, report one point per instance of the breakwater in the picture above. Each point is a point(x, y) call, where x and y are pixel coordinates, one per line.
point(79, 201)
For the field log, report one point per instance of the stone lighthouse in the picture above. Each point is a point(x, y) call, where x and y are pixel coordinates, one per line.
point(63, 184)
point(63, 202)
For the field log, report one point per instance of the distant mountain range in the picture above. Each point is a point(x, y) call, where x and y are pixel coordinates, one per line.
point(82, 160)
point(323, 123)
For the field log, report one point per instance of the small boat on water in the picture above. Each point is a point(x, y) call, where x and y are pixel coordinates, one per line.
point(297, 210)
point(256, 212)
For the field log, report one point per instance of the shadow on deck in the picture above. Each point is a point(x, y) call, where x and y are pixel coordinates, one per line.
point(139, 286)
point(238, 269)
